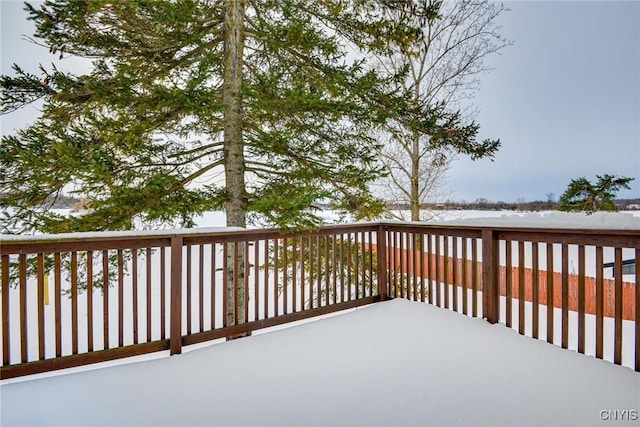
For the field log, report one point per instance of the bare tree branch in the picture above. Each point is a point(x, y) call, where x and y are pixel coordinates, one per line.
point(442, 70)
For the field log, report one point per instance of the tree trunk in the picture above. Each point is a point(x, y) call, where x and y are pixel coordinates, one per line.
point(234, 163)
point(415, 177)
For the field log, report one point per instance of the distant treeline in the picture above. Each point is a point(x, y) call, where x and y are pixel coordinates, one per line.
point(68, 202)
point(487, 205)
point(57, 202)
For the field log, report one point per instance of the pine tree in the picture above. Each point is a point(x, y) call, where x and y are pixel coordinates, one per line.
point(191, 105)
point(181, 90)
point(583, 196)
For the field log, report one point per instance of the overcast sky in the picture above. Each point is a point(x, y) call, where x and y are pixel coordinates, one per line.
point(564, 99)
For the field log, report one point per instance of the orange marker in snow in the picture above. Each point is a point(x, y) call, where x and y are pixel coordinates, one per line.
point(46, 289)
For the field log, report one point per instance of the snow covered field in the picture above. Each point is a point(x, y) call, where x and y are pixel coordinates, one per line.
point(393, 363)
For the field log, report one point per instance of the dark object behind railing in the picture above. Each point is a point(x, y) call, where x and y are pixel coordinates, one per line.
point(118, 295)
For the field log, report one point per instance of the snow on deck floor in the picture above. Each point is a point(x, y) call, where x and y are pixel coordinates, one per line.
point(392, 363)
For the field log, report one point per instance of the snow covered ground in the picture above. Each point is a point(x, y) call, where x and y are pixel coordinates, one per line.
point(393, 363)
point(546, 219)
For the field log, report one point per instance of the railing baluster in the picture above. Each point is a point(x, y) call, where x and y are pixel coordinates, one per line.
point(363, 252)
point(265, 286)
point(430, 266)
point(6, 323)
point(256, 278)
point(422, 269)
point(637, 313)
point(438, 271)
point(550, 295)
point(57, 295)
point(40, 261)
point(326, 271)
point(413, 262)
point(247, 271)
point(319, 278)
point(393, 247)
point(74, 304)
point(285, 277)
point(356, 264)
point(474, 277)
point(225, 285)
point(213, 285)
point(303, 262)
point(276, 268)
point(388, 264)
point(388, 238)
point(334, 266)
point(134, 292)
point(581, 299)
point(536, 284)
point(447, 279)
point(565, 295)
point(120, 297)
point(89, 301)
point(600, 304)
point(411, 267)
point(404, 264)
point(465, 278)
point(521, 288)
point(201, 288)
point(236, 280)
point(349, 267)
point(509, 284)
point(149, 308)
point(454, 272)
point(163, 294)
point(23, 309)
point(412, 282)
point(397, 270)
point(370, 264)
point(617, 354)
point(188, 267)
point(342, 268)
point(311, 271)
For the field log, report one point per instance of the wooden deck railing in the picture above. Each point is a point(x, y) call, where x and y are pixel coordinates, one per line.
point(71, 300)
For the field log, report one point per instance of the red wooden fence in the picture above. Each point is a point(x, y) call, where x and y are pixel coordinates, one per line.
point(628, 288)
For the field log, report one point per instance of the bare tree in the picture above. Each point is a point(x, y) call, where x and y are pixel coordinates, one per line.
point(441, 73)
point(410, 180)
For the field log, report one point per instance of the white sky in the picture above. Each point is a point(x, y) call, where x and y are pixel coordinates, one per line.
point(564, 99)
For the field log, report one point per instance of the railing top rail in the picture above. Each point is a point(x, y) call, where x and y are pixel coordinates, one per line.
point(112, 235)
point(187, 233)
point(236, 233)
point(628, 231)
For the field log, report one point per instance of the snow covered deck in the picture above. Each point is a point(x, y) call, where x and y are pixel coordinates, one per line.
point(392, 363)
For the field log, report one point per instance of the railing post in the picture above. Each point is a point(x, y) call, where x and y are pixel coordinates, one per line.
point(381, 243)
point(490, 286)
point(175, 321)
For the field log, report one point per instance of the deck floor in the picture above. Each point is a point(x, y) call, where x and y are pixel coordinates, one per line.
point(392, 363)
